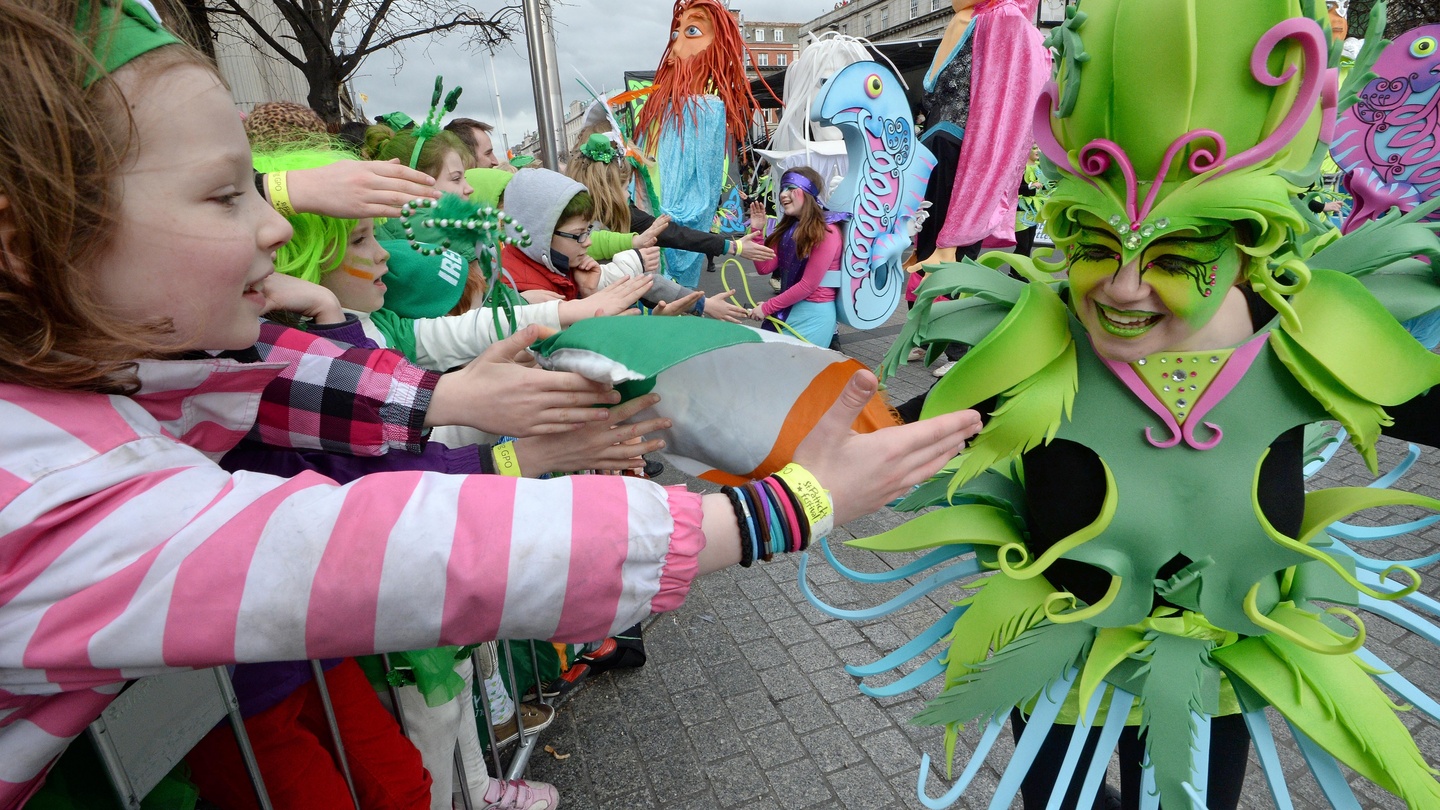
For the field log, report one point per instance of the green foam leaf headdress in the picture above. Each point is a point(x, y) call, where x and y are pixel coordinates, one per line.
point(431, 127)
point(1169, 114)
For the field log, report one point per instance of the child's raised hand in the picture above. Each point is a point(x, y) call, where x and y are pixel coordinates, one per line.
point(720, 308)
point(356, 189)
point(586, 272)
point(652, 234)
point(289, 294)
point(498, 395)
point(650, 259)
point(865, 471)
point(757, 216)
point(679, 306)
point(617, 299)
point(598, 446)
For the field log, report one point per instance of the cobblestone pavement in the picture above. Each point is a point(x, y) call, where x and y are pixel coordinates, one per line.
point(745, 702)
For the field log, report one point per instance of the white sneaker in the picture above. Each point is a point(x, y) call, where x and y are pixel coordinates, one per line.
point(940, 372)
point(916, 355)
point(519, 795)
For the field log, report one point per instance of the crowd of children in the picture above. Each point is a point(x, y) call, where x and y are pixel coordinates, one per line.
point(187, 479)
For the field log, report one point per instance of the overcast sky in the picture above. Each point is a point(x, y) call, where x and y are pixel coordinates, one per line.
point(599, 38)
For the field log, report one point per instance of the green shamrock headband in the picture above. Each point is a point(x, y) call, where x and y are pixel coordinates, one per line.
point(600, 149)
point(431, 127)
point(124, 31)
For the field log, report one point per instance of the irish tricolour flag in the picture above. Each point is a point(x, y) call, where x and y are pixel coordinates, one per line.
point(741, 399)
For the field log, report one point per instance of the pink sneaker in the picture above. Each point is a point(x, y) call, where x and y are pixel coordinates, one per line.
point(519, 795)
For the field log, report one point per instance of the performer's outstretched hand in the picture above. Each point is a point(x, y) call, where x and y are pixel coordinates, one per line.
point(866, 471)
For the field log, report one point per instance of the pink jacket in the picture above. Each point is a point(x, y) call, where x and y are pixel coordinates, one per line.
point(125, 551)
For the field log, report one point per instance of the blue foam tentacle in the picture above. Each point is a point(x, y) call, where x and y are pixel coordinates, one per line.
point(1072, 753)
point(1398, 684)
point(982, 751)
point(1327, 772)
point(1037, 729)
point(1420, 600)
point(1269, 756)
point(930, 669)
point(1377, 565)
point(937, 580)
point(1412, 454)
point(1115, 717)
point(1398, 614)
point(1368, 534)
point(913, 648)
point(931, 559)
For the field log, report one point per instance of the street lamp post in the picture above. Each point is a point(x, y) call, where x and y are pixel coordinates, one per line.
point(545, 78)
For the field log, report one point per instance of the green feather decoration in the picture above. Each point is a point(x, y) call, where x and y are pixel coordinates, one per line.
point(1012, 677)
point(1334, 700)
point(1180, 683)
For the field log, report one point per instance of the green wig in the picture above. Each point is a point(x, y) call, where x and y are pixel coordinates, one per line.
point(318, 246)
point(1172, 114)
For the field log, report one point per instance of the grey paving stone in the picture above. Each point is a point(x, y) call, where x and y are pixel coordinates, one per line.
point(738, 780)
point(861, 788)
point(832, 748)
point(716, 740)
point(799, 784)
point(806, 712)
point(774, 743)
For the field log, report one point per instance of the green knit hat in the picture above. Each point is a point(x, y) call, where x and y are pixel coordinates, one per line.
point(488, 185)
point(421, 286)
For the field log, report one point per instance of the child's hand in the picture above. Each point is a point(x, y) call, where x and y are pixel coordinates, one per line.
point(586, 273)
point(865, 471)
point(597, 446)
point(679, 306)
point(617, 299)
point(758, 220)
point(496, 394)
point(718, 307)
point(289, 294)
point(650, 259)
point(652, 234)
point(356, 189)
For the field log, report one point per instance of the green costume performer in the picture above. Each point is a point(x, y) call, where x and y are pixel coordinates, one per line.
point(1154, 401)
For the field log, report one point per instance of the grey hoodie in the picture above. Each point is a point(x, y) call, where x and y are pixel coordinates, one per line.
point(535, 199)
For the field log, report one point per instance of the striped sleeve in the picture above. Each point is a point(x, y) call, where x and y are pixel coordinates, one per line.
point(126, 553)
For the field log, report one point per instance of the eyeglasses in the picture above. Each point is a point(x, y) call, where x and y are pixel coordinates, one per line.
point(578, 237)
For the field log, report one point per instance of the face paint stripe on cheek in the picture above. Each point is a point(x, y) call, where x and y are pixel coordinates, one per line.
point(358, 273)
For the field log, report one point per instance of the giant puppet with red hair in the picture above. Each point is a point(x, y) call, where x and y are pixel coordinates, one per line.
point(699, 108)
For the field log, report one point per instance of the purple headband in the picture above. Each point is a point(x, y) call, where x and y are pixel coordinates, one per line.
point(800, 181)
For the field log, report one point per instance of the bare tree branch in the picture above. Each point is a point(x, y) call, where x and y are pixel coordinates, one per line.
point(304, 34)
point(234, 9)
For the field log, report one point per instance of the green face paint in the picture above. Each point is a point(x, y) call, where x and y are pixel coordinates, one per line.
point(1160, 298)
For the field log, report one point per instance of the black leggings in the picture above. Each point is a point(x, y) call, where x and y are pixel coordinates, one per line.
point(1229, 754)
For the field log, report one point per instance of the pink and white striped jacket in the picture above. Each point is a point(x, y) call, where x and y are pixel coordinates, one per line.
point(124, 551)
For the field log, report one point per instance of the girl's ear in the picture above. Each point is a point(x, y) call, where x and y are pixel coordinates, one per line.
point(12, 258)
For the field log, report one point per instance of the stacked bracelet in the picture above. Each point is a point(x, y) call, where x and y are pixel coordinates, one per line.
point(780, 514)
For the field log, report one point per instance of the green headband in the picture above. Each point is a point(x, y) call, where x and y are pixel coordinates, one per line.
point(438, 110)
point(127, 30)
